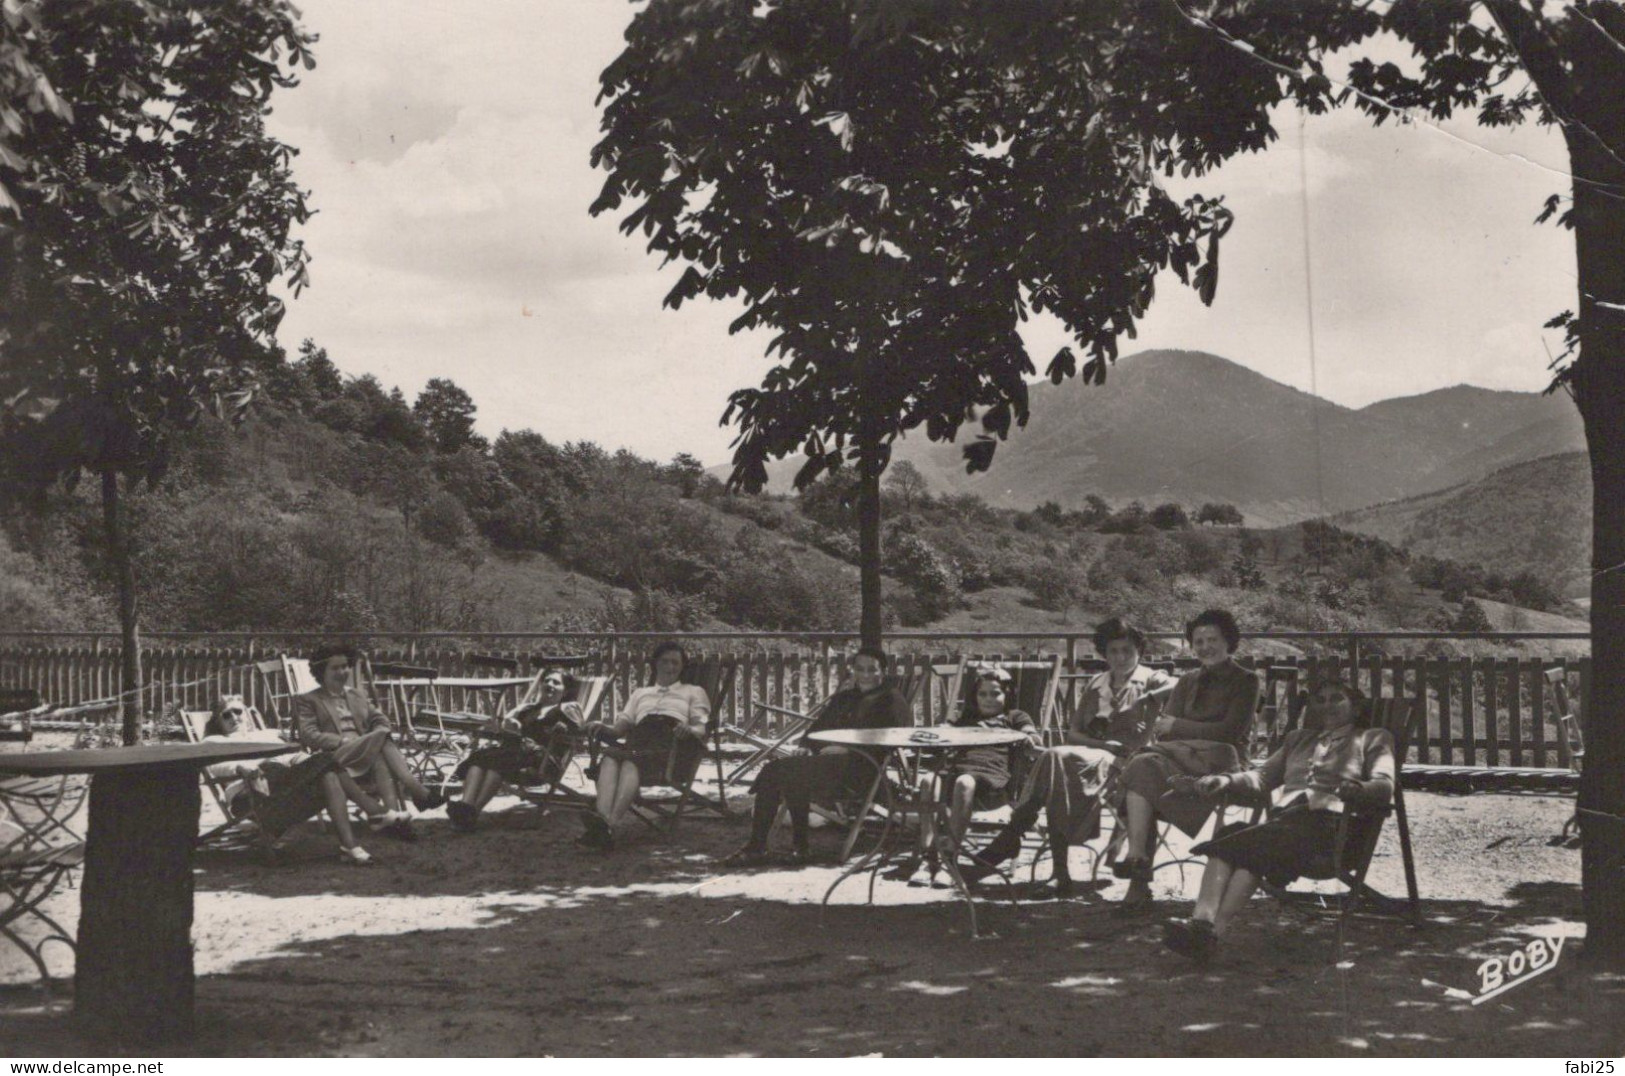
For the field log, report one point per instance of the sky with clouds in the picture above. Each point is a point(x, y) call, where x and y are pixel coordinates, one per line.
point(446, 146)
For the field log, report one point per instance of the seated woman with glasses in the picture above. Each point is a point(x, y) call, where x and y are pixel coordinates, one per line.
point(661, 725)
point(1331, 765)
point(231, 721)
point(1111, 721)
point(340, 720)
point(534, 744)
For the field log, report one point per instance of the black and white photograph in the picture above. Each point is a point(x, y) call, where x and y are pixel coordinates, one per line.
point(811, 528)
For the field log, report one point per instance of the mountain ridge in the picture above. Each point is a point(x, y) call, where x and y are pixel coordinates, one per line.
point(1194, 427)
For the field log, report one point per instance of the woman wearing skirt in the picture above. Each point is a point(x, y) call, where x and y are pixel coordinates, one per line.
point(534, 743)
point(658, 737)
point(1332, 765)
point(1201, 733)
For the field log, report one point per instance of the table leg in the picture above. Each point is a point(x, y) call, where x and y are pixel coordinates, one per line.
point(134, 978)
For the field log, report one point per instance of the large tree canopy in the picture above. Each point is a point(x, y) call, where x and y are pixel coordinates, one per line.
point(892, 187)
point(144, 216)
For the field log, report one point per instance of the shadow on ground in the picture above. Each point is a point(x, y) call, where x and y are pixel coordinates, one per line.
point(511, 941)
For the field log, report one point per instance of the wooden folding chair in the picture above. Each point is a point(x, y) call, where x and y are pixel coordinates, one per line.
point(39, 851)
point(1572, 745)
point(282, 679)
point(569, 744)
point(428, 744)
point(18, 708)
point(1359, 831)
point(266, 818)
point(1034, 687)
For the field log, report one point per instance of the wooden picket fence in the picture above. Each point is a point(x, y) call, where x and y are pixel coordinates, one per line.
point(1480, 711)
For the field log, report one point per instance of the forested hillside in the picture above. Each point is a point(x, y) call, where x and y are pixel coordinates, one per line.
point(342, 506)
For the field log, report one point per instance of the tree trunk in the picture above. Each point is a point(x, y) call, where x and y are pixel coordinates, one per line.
point(1598, 85)
point(869, 548)
point(133, 980)
point(118, 552)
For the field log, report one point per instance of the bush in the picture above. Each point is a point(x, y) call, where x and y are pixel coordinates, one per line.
point(1169, 517)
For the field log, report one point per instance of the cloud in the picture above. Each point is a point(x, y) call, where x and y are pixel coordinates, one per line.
point(448, 147)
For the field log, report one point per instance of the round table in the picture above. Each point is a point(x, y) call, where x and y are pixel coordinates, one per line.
point(931, 747)
point(133, 975)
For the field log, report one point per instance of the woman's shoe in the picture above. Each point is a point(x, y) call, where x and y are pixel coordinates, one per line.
point(746, 856)
point(596, 832)
point(464, 817)
point(1193, 938)
point(1054, 889)
point(905, 870)
point(431, 799)
point(1129, 866)
point(356, 855)
point(1137, 901)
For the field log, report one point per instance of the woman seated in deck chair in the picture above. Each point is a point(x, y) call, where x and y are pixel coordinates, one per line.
point(1202, 732)
point(534, 744)
point(659, 723)
point(977, 779)
point(1333, 764)
point(825, 772)
point(230, 722)
point(1111, 721)
point(341, 721)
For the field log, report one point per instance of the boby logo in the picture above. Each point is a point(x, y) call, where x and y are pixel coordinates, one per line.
point(1497, 975)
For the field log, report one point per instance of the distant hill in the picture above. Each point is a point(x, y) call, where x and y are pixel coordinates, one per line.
point(1193, 427)
point(1533, 516)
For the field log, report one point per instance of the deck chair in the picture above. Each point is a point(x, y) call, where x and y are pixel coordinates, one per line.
point(425, 740)
point(1572, 745)
point(666, 812)
point(768, 746)
point(18, 708)
point(1034, 690)
point(1359, 831)
point(1164, 855)
point(39, 850)
point(853, 812)
point(569, 744)
point(252, 819)
point(282, 679)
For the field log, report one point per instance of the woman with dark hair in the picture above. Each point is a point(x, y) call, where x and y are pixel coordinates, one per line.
point(341, 721)
point(1201, 733)
point(1332, 764)
point(665, 717)
point(825, 772)
point(526, 751)
point(1111, 720)
point(977, 779)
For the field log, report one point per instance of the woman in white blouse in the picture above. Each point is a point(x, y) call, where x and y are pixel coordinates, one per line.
point(658, 736)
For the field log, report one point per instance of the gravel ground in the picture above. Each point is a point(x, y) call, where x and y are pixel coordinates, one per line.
point(513, 941)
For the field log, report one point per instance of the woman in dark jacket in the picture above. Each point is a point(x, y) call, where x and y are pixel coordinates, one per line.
point(1331, 765)
point(533, 745)
point(1202, 732)
point(825, 772)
